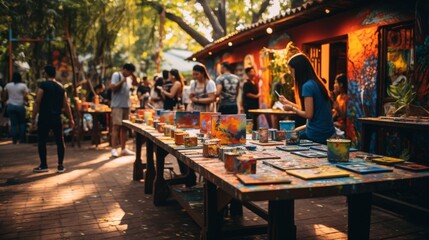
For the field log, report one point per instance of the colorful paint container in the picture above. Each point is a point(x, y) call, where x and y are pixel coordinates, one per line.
point(179, 138)
point(292, 137)
point(175, 131)
point(280, 135)
point(249, 126)
point(229, 161)
point(223, 150)
point(155, 123)
point(245, 164)
point(255, 135)
point(161, 127)
point(210, 149)
point(147, 115)
point(272, 133)
point(263, 135)
point(287, 125)
point(149, 122)
point(191, 141)
point(338, 150)
point(167, 130)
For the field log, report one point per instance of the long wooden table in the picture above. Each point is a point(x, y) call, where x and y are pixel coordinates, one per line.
point(220, 187)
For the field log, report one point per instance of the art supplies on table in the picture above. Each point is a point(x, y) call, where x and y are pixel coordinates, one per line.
point(230, 129)
point(307, 143)
point(188, 119)
point(389, 161)
point(368, 156)
point(310, 154)
point(258, 179)
point(292, 148)
point(318, 173)
point(264, 155)
point(363, 168)
point(287, 165)
point(414, 167)
point(269, 143)
point(324, 148)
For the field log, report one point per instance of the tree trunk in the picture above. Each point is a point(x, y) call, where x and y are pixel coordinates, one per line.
point(218, 31)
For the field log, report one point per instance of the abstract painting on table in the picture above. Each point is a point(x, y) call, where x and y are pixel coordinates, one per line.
point(206, 121)
point(188, 119)
point(230, 129)
point(167, 117)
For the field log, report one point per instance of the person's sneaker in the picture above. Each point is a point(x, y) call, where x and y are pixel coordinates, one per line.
point(40, 169)
point(61, 169)
point(127, 152)
point(115, 153)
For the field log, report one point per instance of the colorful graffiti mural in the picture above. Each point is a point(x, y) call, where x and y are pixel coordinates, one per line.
point(362, 72)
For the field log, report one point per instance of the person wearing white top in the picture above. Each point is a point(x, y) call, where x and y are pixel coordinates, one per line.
point(16, 93)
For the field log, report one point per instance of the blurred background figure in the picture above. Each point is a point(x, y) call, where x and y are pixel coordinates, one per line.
point(143, 92)
point(15, 94)
point(185, 93)
point(203, 90)
point(156, 98)
point(339, 107)
point(227, 88)
point(173, 92)
point(250, 93)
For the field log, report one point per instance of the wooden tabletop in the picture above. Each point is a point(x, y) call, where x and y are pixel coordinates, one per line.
point(271, 111)
point(213, 170)
point(397, 122)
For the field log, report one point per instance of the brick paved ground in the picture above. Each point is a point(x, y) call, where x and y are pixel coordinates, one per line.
point(96, 199)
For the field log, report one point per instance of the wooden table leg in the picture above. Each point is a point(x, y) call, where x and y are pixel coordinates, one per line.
point(95, 136)
point(255, 121)
point(160, 187)
point(150, 168)
point(281, 219)
point(359, 210)
point(212, 217)
point(138, 165)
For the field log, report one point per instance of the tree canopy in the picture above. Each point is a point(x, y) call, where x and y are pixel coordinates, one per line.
point(112, 32)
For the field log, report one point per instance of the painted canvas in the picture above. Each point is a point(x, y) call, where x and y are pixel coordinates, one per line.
point(206, 121)
point(230, 129)
point(188, 119)
point(167, 116)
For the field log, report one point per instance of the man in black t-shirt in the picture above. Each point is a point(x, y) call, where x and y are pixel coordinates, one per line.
point(250, 92)
point(143, 91)
point(51, 98)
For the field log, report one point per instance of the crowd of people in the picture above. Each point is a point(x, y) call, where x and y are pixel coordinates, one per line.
point(169, 90)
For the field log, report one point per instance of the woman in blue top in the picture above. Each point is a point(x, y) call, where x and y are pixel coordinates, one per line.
point(314, 98)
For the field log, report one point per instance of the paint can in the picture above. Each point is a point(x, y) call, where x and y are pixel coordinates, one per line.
point(338, 150)
point(263, 135)
point(229, 161)
point(191, 141)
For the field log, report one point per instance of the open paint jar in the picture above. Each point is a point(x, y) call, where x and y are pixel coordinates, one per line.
point(338, 150)
point(292, 137)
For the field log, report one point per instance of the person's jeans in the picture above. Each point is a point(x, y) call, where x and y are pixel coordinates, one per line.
point(17, 122)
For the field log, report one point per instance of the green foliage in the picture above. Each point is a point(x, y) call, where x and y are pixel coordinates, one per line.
point(113, 32)
point(403, 93)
